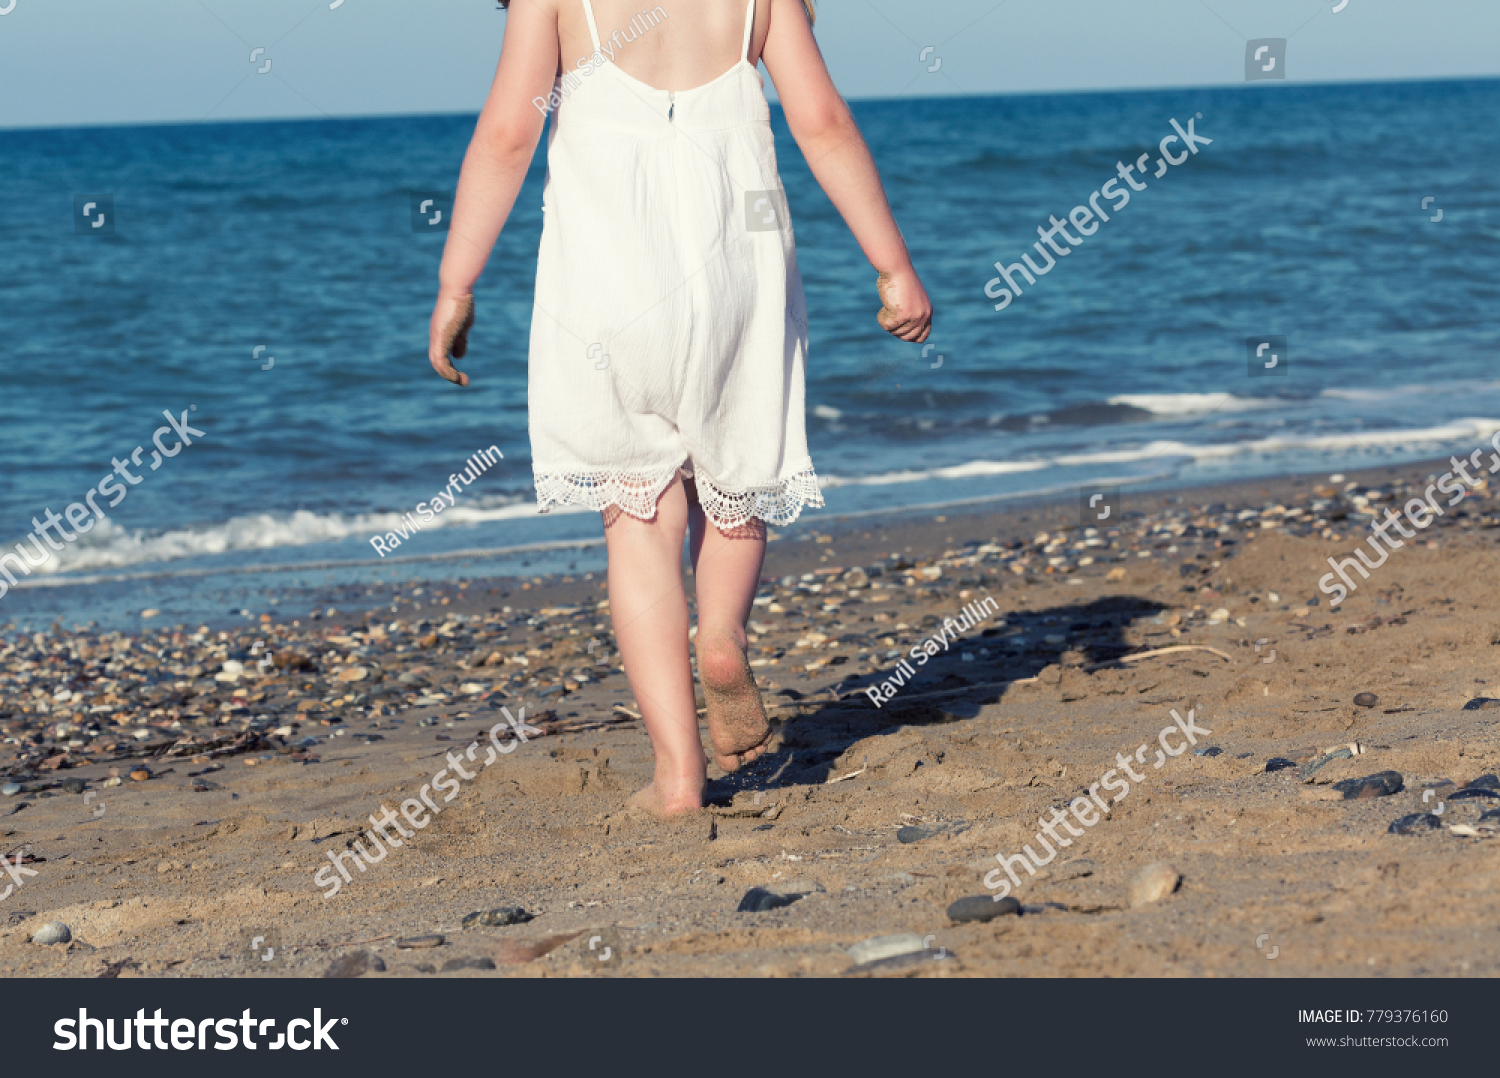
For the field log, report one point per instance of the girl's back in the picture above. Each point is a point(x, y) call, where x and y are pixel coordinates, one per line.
point(686, 45)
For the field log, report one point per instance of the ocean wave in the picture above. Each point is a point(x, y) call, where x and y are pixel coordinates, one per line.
point(109, 546)
point(466, 554)
point(1175, 405)
point(971, 470)
point(1458, 431)
point(1405, 392)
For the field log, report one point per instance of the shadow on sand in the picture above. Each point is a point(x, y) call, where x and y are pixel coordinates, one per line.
point(813, 740)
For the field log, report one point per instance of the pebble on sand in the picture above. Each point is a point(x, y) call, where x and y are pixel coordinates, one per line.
point(903, 965)
point(982, 908)
point(1381, 784)
point(52, 932)
point(775, 895)
point(873, 950)
point(10, 789)
point(1366, 699)
point(420, 943)
point(355, 964)
point(1279, 763)
point(1474, 793)
point(497, 918)
point(916, 833)
point(1415, 823)
point(1317, 763)
point(1153, 883)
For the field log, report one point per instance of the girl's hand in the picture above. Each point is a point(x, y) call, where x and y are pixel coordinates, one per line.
point(906, 312)
point(452, 318)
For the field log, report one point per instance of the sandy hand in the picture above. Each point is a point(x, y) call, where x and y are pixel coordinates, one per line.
point(906, 312)
point(453, 336)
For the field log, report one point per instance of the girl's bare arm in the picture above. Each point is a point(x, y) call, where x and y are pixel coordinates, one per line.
point(494, 168)
point(825, 131)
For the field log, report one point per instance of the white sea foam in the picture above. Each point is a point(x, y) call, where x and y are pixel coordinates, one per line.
point(109, 546)
point(1374, 395)
point(1182, 404)
point(1456, 432)
point(971, 470)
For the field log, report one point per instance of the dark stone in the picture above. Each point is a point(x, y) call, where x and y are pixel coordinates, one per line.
point(1485, 782)
point(355, 964)
point(1474, 793)
point(982, 908)
point(1212, 750)
point(1279, 763)
point(1044, 907)
point(758, 900)
point(917, 834)
point(73, 786)
point(467, 963)
point(1381, 784)
point(1479, 703)
point(1366, 699)
point(763, 827)
point(1414, 824)
point(497, 918)
point(420, 943)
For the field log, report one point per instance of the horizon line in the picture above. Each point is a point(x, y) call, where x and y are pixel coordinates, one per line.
point(1267, 86)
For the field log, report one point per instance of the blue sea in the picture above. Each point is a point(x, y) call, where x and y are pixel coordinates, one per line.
point(266, 280)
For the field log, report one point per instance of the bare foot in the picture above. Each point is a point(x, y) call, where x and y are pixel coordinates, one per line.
point(737, 722)
point(651, 803)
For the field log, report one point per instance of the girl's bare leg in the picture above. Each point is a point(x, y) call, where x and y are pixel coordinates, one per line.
point(649, 609)
point(727, 568)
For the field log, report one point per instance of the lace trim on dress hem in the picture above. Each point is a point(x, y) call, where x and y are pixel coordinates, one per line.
point(780, 503)
point(637, 494)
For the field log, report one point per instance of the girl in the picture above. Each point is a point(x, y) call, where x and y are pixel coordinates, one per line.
point(669, 330)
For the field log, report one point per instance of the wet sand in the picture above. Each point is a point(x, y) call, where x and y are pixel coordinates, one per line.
point(251, 774)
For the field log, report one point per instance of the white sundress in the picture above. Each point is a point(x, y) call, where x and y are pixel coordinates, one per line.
point(669, 331)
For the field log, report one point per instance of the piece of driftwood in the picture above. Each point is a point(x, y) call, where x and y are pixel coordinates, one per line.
point(1159, 651)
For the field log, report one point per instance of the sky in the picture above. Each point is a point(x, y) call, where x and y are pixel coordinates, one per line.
point(85, 62)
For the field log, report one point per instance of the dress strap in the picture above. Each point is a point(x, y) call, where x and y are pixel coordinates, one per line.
point(588, 12)
point(749, 27)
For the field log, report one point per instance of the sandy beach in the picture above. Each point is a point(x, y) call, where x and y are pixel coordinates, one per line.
point(173, 794)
